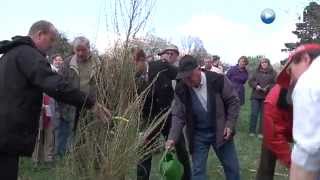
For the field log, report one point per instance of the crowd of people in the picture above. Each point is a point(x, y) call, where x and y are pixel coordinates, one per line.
point(204, 102)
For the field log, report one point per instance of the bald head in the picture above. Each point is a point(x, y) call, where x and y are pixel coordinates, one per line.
point(43, 33)
point(42, 25)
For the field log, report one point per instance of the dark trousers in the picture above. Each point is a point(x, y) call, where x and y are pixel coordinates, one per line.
point(9, 165)
point(267, 164)
point(144, 167)
point(226, 154)
point(256, 112)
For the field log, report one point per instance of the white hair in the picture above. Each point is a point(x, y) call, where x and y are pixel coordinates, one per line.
point(81, 40)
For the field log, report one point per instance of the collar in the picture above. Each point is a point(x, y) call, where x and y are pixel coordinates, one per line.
point(203, 81)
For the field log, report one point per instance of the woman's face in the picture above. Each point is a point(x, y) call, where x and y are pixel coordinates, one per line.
point(57, 62)
point(264, 64)
point(141, 66)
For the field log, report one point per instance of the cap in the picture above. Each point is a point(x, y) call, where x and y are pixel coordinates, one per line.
point(284, 78)
point(169, 48)
point(186, 65)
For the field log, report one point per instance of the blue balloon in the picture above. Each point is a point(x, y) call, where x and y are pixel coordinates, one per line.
point(268, 16)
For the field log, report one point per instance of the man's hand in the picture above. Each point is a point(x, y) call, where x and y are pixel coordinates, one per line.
point(102, 113)
point(258, 87)
point(227, 133)
point(170, 145)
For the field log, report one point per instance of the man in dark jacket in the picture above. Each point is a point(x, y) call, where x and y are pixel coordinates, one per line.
point(208, 105)
point(24, 75)
point(159, 101)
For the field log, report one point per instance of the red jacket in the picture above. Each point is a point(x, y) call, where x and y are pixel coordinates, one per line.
point(277, 127)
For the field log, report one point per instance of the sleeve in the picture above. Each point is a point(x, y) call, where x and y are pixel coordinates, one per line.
point(253, 81)
point(38, 71)
point(232, 104)
point(274, 132)
point(178, 119)
point(172, 72)
point(230, 74)
point(306, 124)
point(273, 80)
point(244, 78)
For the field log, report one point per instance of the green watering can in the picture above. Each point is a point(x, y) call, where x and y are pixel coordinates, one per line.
point(170, 167)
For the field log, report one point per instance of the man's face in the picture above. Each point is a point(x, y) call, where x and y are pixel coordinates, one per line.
point(194, 79)
point(164, 56)
point(208, 63)
point(82, 52)
point(57, 62)
point(216, 63)
point(297, 69)
point(45, 40)
point(171, 56)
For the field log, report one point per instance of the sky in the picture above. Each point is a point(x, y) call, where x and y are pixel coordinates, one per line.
point(229, 29)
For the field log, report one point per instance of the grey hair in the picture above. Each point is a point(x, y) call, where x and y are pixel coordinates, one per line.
point(42, 26)
point(81, 40)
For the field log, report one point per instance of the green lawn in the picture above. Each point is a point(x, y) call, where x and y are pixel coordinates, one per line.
point(248, 149)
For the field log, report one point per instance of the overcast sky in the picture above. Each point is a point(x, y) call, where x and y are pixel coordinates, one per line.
point(228, 28)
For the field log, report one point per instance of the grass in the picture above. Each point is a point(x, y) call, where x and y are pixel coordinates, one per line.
point(248, 149)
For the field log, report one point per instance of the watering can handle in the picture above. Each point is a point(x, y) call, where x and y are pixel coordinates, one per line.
point(165, 154)
point(163, 158)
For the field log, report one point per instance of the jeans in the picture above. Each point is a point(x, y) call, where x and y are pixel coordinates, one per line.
point(9, 165)
point(256, 111)
point(63, 136)
point(226, 154)
point(144, 167)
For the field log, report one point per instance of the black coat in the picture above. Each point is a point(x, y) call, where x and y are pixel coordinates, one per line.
point(25, 75)
point(161, 94)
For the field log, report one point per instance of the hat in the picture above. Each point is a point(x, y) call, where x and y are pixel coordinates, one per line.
point(186, 65)
point(284, 78)
point(169, 48)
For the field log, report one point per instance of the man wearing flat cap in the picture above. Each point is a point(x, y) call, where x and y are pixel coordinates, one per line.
point(170, 54)
point(162, 74)
point(207, 104)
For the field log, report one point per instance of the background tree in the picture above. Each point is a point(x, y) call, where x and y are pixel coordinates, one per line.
point(308, 30)
point(253, 63)
point(194, 46)
point(187, 44)
point(151, 44)
point(62, 46)
point(130, 17)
